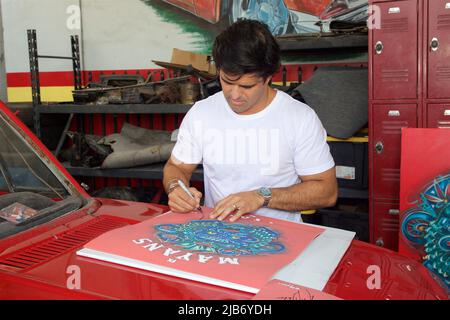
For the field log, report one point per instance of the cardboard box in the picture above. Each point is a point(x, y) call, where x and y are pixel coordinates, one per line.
point(182, 59)
point(199, 61)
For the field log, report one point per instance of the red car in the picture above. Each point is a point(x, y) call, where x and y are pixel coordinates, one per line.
point(38, 257)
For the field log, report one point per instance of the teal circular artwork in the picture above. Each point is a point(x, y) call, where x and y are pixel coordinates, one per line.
point(427, 227)
point(224, 238)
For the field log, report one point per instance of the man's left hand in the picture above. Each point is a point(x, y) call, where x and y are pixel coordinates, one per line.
point(239, 204)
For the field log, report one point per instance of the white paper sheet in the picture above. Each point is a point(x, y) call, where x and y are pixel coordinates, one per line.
point(315, 265)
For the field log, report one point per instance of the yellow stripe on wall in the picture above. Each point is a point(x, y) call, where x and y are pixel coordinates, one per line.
point(48, 94)
point(352, 139)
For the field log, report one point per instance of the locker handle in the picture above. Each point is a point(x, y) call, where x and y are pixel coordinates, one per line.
point(394, 113)
point(434, 44)
point(447, 112)
point(379, 47)
point(394, 212)
point(379, 242)
point(379, 147)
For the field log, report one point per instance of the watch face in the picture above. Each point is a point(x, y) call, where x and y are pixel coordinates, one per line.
point(265, 192)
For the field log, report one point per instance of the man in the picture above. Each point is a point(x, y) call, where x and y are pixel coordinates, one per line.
point(262, 151)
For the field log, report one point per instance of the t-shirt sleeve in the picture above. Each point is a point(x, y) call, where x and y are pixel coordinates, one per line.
point(188, 148)
point(312, 153)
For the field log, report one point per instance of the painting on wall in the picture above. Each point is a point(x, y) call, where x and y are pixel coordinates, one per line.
point(281, 16)
point(242, 255)
point(425, 199)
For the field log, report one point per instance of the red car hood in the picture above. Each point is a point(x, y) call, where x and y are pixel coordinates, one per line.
point(49, 268)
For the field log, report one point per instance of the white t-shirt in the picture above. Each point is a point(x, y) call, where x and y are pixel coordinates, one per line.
point(271, 148)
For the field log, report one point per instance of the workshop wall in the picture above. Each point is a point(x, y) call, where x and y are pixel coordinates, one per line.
point(118, 36)
point(114, 36)
point(50, 19)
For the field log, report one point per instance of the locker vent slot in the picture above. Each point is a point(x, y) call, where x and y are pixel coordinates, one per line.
point(388, 174)
point(443, 22)
point(394, 25)
point(394, 127)
point(395, 75)
point(443, 124)
point(389, 224)
point(443, 73)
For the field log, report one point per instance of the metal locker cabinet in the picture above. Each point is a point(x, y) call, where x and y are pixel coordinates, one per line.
point(387, 121)
point(395, 51)
point(395, 101)
point(438, 49)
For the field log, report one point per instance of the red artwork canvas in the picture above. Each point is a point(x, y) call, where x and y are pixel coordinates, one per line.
point(282, 290)
point(425, 199)
point(242, 255)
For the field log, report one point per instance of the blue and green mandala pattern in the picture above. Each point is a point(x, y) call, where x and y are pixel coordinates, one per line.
point(427, 226)
point(224, 238)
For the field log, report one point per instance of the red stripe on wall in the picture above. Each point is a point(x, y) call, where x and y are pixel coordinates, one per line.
point(47, 79)
point(65, 78)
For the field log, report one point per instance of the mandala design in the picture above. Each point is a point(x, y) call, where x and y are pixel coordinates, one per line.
point(427, 227)
point(224, 238)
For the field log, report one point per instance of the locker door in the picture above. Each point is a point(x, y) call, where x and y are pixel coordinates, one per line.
point(438, 115)
point(395, 45)
point(386, 225)
point(438, 50)
point(387, 123)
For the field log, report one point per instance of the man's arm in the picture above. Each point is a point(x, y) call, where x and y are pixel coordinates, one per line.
point(179, 201)
point(175, 169)
point(315, 191)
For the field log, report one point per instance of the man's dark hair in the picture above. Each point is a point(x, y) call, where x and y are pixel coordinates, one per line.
point(247, 46)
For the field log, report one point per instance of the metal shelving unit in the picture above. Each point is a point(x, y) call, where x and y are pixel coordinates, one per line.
point(112, 108)
point(154, 171)
point(34, 71)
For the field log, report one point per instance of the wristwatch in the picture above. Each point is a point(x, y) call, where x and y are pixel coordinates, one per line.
point(266, 193)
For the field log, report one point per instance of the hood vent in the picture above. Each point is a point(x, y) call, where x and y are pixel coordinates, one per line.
point(41, 252)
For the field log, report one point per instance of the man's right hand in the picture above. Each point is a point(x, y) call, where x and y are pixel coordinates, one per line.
point(179, 201)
